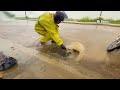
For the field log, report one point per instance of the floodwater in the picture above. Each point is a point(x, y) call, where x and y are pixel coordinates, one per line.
point(19, 40)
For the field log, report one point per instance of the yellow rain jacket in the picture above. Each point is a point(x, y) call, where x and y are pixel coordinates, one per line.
point(48, 28)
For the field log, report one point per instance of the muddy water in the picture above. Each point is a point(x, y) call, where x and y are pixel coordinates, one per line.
point(19, 40)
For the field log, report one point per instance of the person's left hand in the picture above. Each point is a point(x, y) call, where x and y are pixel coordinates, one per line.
point(53, 42)
point(63, 47)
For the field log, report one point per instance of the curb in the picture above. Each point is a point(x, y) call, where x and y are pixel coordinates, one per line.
point(93, 23)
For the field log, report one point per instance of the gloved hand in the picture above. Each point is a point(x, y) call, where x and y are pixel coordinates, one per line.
point(53, 42)
point(63, 47)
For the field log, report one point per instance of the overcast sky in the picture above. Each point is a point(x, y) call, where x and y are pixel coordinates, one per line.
point(74, 14)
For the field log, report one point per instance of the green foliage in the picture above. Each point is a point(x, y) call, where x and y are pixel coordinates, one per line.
point(8, 14)
point(88, 19)
point(84, 19)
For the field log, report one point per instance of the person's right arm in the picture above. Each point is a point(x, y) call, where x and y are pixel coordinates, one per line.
point(51, 29)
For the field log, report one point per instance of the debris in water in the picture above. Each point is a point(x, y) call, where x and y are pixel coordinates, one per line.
point(13, 48)
point(77, 47)
point(6, 62)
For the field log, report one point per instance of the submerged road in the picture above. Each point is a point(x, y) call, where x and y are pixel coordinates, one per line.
point(19, 40)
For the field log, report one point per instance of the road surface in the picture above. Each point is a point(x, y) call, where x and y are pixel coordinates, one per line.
point(19, 40)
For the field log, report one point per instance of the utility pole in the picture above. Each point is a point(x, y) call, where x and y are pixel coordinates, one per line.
point(26, 15)
point(100, 13)
point(100, 16)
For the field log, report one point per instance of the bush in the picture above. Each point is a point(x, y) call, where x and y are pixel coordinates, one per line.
point(85, 19)
point(70, 19)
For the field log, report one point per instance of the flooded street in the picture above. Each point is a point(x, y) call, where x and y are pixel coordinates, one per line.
point(19, 40)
